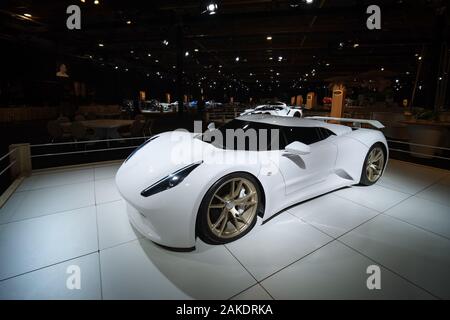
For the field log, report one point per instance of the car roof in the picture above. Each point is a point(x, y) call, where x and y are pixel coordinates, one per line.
point(295, 122)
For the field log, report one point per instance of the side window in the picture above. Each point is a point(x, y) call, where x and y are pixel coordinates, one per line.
point(306, 135)
point(325, 133)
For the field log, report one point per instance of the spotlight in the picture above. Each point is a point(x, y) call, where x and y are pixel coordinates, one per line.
point(129, 22)
point(186, 53)
point(165, 42)
point(196, 50)
point(27, 15)
point(212, 8)
point(269, 38)
point(101, 45)
point(237, 59)
point(96, 2)
point(382, 69)
point(309, 1)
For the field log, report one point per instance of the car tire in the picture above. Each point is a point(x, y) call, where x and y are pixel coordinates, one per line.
point(229, 209)
point(297, 115)
point(374, 164)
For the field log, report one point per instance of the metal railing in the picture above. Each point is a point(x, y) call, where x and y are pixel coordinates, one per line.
point(11, 163)
point(420, 146)
point(108, 141)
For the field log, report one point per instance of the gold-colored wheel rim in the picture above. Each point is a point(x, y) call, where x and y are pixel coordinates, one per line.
point(375, 164)
point(232, 208)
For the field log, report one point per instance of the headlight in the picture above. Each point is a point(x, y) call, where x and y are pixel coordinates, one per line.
point(170, 181)
point(140, 147)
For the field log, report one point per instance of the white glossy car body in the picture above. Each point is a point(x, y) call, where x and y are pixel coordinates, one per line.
point(169, 217)
point(275, 109)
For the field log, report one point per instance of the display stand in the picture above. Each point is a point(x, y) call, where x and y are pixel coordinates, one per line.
point(311, 100)
point(337, 102)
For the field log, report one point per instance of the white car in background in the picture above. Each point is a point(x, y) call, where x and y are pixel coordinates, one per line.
point(173, 203)
point(276, 109)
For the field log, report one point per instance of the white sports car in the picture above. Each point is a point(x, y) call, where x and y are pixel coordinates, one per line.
point(276, 109)
point(218, 191)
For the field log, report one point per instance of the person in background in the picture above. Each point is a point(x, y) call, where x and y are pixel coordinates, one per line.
point(65, 91)
point(200, 108)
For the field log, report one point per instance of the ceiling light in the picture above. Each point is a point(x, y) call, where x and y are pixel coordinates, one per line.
point(382, 69)
point(96, 2)
point(420, 58)
point(211, 8)
point(309, 1)
point(101, 45)
point(269, 38)
point(131, 51)
point(27, 15)
point(327, 64)
point(116, 67)
point(186, 53)
point(83, 1)
point(149, 54)
point(165, 42)
point(280, 58)
point(129, 22)
point(356, 45)
point(156, 60)
point(270, 58)
point(237, 59)
point(196, 50)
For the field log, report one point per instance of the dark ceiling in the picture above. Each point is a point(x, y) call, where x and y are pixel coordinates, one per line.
point(327, 38)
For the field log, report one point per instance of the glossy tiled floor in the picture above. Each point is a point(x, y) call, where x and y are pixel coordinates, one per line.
point(318, 249)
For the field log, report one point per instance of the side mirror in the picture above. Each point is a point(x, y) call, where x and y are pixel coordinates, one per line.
point(211, 126)
point(298, 148)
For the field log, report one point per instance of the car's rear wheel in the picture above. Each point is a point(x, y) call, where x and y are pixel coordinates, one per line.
point(229, 209)
point(373, 165)
point(297, 115)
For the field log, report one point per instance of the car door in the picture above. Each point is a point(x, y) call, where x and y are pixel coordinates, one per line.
point(302, 171)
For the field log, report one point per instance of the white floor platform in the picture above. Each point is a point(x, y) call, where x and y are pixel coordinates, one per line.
point(319, 249)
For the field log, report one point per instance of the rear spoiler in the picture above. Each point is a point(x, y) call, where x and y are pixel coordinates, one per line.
point(356, 122)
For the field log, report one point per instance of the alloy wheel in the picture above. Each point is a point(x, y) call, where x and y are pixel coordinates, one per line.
point(232, 208)
point(375, 164)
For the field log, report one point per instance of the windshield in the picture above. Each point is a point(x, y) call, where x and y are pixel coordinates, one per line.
point(244, 135)
point(268, 108)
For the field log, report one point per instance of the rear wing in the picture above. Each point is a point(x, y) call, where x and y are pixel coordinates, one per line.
point(356, 122)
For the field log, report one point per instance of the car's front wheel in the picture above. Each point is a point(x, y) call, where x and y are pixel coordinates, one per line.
point(229, 209)
point(373, 165)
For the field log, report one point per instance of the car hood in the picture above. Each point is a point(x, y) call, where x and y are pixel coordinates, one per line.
point(163, 155)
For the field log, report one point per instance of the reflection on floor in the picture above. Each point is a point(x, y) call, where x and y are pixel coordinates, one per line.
point(318, 249)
